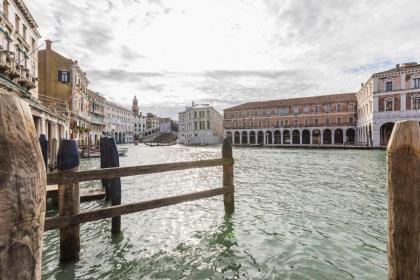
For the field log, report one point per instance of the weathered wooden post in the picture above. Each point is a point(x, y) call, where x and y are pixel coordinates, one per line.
point(404, 201)
point(22, 192)
point(115, 189)
point(103, 144)
point(68, 200)
point(228, 198)
point(43, 142)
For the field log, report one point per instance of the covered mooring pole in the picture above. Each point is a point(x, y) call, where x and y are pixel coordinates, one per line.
point(22, 191)
point(404, 202)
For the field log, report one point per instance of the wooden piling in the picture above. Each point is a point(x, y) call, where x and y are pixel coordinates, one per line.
point(115, 189)
point(68, 201)
point(404, 201)
point(43, 142)
point(228, 198)
point(22, 191)
point(103, 144)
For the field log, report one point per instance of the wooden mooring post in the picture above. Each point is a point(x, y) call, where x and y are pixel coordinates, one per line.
point(22, 191)
point(228, 198)
point(68, 200)
point(104, 149)
point(404, 202)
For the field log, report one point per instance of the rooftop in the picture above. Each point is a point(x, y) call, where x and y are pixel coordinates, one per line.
point(309, 100)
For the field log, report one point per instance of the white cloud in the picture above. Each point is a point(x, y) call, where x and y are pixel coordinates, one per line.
point(229, 51)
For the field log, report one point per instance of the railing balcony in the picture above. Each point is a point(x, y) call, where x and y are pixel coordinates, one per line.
point(6, 60)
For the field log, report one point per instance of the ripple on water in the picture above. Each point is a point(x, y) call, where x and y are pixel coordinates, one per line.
point(299, 214)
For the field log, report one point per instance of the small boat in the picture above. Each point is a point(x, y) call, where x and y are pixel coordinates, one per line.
point(156, 144)
point(97, 153)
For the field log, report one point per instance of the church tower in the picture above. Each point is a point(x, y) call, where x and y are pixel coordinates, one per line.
point(135, 107)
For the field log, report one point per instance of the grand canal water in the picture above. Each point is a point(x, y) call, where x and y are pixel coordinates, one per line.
point(300, 214)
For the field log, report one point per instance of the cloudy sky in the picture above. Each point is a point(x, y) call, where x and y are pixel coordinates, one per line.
point(227, 52)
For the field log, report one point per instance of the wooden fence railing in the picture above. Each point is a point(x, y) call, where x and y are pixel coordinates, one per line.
point(68, 178)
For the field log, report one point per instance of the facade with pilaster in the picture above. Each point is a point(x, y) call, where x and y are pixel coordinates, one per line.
point(97, 115)
point(315, 120)
point(200, 124)
point(19, 69)
point(387, 97)
point(119, 122)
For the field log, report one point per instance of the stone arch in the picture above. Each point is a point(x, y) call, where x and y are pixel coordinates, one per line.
point(236, 137)
point(260, 137)
point(385, 133)
point(252, 139)
point(277, 137)
point(326, 135)
point(296, 136)
point(306, 136)
point(244, 137)
point(338, 136)
point(286, 137)
point(269, 137)
point(350, 136)
point(316, 137)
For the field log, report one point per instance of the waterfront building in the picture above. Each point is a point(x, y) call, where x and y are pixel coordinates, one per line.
point(139, 126)
point(62, 79)
point(200, 124)
point(119, 122)
point(315, 120)
point(386, 98)
point(152, 124)
point(19, 68)
point(97, 115)
point(168, 126)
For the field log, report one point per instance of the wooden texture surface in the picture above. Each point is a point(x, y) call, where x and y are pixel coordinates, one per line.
point(228, 198)
point(108, 212)
point(404, 202)
point(108, 173)
point(69, 202)
point(22, 191)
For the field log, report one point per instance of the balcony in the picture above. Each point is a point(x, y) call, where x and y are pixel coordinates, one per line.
point(6, 60)
point(25, 78)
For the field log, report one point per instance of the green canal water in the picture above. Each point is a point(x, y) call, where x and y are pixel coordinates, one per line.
point(300, 214)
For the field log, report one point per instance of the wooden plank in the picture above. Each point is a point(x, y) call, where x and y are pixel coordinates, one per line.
point(22, 191)
point(114, 172)
point(404, 201)
point(113, 211)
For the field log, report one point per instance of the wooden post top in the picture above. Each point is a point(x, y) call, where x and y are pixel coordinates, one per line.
point(405, 134)
point(68, 156)
point(227, 148)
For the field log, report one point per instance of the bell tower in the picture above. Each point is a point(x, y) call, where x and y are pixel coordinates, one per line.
point(135, 107)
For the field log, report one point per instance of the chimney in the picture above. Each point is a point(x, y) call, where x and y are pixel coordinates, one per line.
point(48, 44)
point(362, 85)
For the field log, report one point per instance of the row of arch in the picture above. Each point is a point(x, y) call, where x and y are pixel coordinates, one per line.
point(326, 136)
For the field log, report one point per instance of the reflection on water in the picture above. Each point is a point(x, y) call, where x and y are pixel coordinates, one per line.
point(299, 214)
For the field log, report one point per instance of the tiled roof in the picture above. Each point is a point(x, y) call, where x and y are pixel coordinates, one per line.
point(310, 100)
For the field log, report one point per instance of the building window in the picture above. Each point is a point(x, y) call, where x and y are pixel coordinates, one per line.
point(281, 123)
point(284, 111)
point(316, 108)
point(295, 109)
point(416, 83)
point(296, 122)
point(415, 102)
point(17, 24)
point(388, 86)
point(328, 108)
point(389, 104)
point(327, 121)
point(338, 107)
point(63, 76)
point(351, 106)
point(306, 109)
point(338, 120)
point(316, 121)
point(286, 122)
point(6, 9)
point(350, 120)
point(306, 121)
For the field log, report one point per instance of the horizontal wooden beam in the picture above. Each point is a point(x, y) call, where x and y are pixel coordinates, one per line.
point(112, 211)
point(114, 172)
